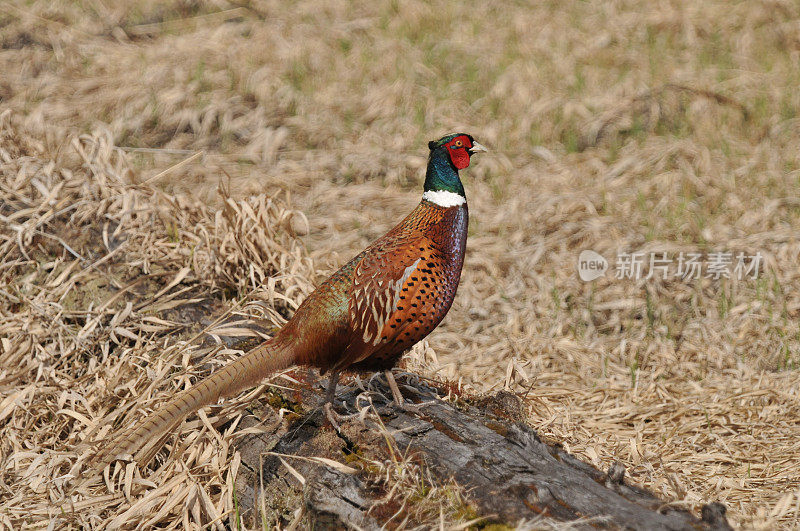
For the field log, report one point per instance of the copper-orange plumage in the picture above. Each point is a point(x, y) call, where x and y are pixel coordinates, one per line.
point(379, 304)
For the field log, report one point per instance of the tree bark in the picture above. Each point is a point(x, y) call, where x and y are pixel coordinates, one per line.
point(508, 473)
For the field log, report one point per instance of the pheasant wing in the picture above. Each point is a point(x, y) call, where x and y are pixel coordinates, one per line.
point(395, 300)
point(378, 284)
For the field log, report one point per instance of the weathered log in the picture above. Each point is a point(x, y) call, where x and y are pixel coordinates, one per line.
point(509, 474)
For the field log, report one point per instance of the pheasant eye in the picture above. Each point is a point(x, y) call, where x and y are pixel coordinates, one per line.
point(458, 143)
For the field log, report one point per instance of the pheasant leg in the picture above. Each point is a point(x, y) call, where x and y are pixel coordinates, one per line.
point(396, 394)
point(330, 394)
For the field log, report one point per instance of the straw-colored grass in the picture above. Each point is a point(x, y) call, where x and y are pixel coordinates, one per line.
point(615, 126)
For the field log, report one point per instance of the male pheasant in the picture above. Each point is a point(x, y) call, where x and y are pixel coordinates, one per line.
point(379, 304)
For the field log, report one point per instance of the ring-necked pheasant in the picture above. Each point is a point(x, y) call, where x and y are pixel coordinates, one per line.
point(363, 317)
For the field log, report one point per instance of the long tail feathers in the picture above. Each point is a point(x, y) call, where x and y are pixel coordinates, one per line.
point(144, 440)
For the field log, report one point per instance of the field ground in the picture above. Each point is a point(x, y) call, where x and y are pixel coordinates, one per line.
point(616, 126)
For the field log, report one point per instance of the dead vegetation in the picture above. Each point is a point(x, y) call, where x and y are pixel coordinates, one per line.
point(100, 279)
point(615, 126)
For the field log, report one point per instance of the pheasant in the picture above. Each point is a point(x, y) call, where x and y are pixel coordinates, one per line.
point(362, 318)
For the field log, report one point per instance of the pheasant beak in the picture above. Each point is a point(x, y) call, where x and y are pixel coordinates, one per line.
point(476, 147)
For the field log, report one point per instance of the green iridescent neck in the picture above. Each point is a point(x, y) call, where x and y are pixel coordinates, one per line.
point(441, 174)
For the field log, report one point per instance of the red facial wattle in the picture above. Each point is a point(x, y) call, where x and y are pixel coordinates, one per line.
point(457, 148)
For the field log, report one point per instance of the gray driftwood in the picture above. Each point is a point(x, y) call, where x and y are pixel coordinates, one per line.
point(510, 475)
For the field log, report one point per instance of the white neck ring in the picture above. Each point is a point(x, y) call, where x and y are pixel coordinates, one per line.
point(444, 198)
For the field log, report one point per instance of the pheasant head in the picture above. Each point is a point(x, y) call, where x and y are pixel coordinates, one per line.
point(448, 155)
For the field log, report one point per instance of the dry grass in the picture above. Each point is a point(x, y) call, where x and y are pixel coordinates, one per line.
point(92, 325)
point(615, 126)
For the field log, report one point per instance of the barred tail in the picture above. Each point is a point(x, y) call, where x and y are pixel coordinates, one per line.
point(143, 441)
